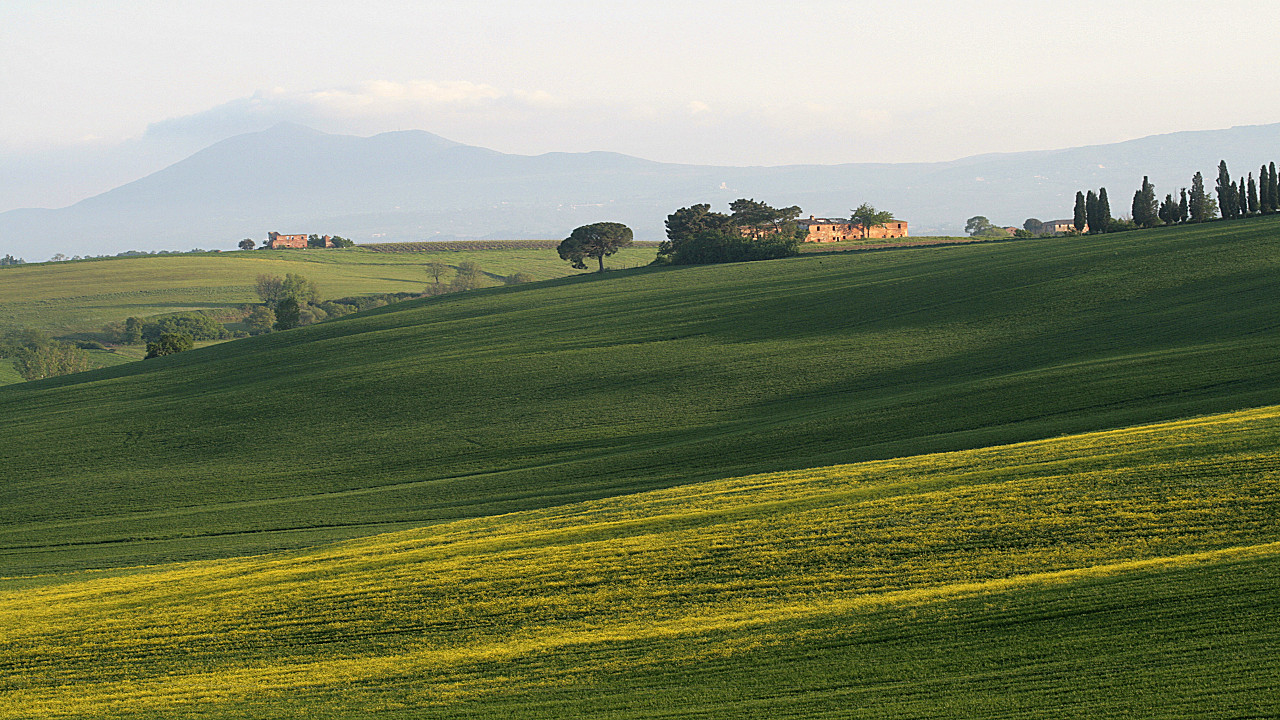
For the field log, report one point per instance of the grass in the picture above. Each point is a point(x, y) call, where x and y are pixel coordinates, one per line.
point(587, 387)
point(80, 297)
point(1115, 574)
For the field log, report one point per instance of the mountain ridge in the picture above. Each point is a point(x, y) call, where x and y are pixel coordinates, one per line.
point(414, 185)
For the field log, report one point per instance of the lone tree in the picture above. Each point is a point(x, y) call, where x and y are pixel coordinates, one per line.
point(594, 241)
point(246, 244)
point(868, 217)
point(467, 277)
point(976, 225)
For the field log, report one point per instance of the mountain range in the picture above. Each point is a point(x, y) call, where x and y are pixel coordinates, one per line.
point(413, 185)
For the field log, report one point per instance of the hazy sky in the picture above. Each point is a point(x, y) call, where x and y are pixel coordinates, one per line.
point(698, 81)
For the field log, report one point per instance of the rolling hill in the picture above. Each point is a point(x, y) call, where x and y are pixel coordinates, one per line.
point(1014, 480)
point(69, 298)
point(586, 387)
point(413, 185)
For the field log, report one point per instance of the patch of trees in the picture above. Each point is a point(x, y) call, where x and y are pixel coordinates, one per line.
point(751, 231)
point(318, 241)
point(466, 275)
point(293, 301)
point(199, 325)
point(867, 217)
point(35, 355)
point(980, 226)
point(9, 260)
point(169, 344)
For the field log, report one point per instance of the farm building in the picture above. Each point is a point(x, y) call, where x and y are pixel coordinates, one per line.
point(276, 241)
point(825, 230)
point(1055, 227)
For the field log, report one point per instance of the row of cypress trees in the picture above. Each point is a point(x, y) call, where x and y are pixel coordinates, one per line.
point(1241, 199)
point(1234, 200)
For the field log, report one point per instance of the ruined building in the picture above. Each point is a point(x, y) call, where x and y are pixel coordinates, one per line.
point(826, 230)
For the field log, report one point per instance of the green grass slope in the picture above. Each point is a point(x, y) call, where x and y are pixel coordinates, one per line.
point(80, 297)
point(535, 396)
point(1127, 573)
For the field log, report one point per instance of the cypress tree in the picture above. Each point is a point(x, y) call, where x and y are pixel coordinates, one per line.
point(1253, 196)
point(1242, 198)
point(1091, 211)
point(1183, 210)
point(1104, 210)
point(1168, 210)
point(1198, 200)
point(1275, 188)
point(1081, 218)
point(1146, 208)
point(1226, 201)
point(1264, 189)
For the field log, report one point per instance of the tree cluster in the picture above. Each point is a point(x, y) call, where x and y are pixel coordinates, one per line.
point(169, 344)
point(1092, 212)
point(9, 260)
point(467, 275)
point(1243, 198)
point(1232, 198)
point(752, 231)
point(35, 355)
point(867, 217)
point(980, 226)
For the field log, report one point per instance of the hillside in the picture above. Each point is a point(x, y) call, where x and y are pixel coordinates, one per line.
point(412, 186)
point(79, 297)
point(530, 397)
point(1128, 573)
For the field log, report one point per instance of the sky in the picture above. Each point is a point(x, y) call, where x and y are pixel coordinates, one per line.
point(100, 92)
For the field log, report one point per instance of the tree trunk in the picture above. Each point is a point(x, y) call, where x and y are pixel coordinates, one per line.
point(601, 259)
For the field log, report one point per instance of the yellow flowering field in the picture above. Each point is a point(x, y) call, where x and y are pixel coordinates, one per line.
point(599, 608)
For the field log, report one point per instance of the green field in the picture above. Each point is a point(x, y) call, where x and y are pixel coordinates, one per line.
point(1117, 574)
point(81, 296)
point(76, 299)
point(1022, 480)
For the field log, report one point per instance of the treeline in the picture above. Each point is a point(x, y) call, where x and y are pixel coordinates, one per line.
point(1231, 199)
point(9, 260)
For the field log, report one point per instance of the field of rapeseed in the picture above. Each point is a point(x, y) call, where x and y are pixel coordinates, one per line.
point(1122, 573)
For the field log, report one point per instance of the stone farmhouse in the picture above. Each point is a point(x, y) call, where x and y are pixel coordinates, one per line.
point(1056, 227)
point(276, 241)
point(826, 230)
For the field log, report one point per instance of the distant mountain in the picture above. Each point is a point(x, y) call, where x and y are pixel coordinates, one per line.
point(413, 185)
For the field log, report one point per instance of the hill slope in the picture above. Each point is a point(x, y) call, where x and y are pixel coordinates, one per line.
point(588, 387)
point(1129, 573)
point(79, 297)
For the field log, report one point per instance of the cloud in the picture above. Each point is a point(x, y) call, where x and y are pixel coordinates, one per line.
point(367, 108)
